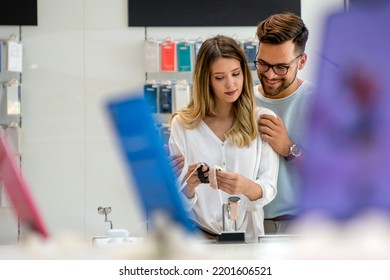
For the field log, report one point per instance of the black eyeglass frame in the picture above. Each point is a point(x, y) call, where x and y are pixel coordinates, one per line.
point(284, 67)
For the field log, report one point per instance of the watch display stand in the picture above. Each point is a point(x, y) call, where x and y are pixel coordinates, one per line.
point(230, 234)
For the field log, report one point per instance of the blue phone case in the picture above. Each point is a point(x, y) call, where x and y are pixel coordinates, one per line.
point(150, 94)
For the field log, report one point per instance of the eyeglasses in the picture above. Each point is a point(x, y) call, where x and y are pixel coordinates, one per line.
point(279, 69)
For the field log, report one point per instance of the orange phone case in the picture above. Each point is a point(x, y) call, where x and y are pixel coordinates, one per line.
point(168, 56)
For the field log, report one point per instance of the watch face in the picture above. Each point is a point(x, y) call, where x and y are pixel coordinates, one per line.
point(234, 199)
point(295, 150)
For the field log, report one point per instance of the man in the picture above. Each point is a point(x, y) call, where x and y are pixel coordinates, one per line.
point(281, 54)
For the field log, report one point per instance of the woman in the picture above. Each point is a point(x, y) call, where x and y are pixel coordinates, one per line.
point(218, 127)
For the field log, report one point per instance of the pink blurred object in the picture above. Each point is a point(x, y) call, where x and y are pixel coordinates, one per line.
point(17, 190)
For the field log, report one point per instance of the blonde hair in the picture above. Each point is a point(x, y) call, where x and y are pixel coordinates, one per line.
point(244, 126)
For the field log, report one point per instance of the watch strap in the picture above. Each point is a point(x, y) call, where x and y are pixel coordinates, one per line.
point(289, 157)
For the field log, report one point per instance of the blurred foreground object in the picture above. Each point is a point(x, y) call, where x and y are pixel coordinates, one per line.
point(345, 171)
point(146, 160)
point(345, 195)
point(364, 237)
point(167, 241)
point(18, 192)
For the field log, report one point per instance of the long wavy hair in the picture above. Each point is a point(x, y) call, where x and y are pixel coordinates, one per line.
point(244, 126)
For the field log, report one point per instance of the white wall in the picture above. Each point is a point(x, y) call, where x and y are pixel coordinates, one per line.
point(81, 53)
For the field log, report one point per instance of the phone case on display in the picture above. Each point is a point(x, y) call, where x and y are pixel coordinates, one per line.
point(168, 56)
point(181, 92)
point(150, 94)
point(1, 55)
point(151, 50)
point(197, 46)
point(14, 60)
point(13, 93)
point(250, 49)
point(184, 57)
point(165, 98)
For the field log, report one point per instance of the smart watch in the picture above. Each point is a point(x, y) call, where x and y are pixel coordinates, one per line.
point(213, 176)
point(234, 202)
point(295, 151)
point(201, 176)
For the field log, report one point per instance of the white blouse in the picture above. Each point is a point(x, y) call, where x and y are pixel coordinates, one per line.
point(258, 162)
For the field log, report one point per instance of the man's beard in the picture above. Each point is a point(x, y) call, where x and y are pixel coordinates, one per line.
point(273, 92)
